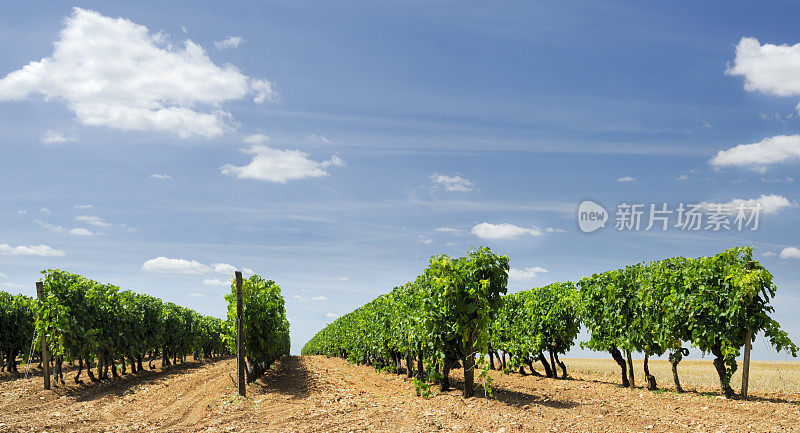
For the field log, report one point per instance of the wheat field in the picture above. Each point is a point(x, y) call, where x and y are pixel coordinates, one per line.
point(766, 377)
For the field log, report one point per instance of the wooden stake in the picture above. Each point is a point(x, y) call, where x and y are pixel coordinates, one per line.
point(45, 352)
point(746, 364)
point(240, 363)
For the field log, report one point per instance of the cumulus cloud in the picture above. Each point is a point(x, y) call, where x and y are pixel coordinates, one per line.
point(256, 139)
point(769, 204)
point(229, 42)
point(502, 231)
point(79, 231)
point(331, 315)
point(174, 266)
point(768, 68)
point(52, 137)
point(30, 250)
point(115, 73)
point(279, 166)
point(451, 183)
point(757, 156)
point(216, 282)
point(626, 179)
point(160, 176)
point(790, 253)
point(93, 220)
point(183, 266)
point(529, 272)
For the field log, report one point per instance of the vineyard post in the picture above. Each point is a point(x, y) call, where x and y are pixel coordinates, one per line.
point(45, 354)
point(747, 345)
point(240, 366)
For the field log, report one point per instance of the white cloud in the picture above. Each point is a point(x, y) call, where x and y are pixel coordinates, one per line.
point(182, 266)
point(554, 230)
point(230, 42)
point(50, 136)
point(93, 220)
point(52, 227)
point(319, 298)
point(2, 275)
point(13, 285)
point(79, 231)
point(626, 179)
point(768, 68)
point(790, 253)
point(279, 166)
point(331, 315)
point(451, 183)
point(113, 72)
point(502, 231)
point(32, 250)
point(769, 204)
point(317, 138)
point(336, 279)
point(757, 156)
point(768, 254)
point(174, 266)
point(216, 282)
point(22, 212)
point(424, 240)
point(256, 139)
point(196, 295)
point(529, 272)
point(682, 177)
point(160, 176)
point(83, 206)
point(449, 230)
point(45, 211)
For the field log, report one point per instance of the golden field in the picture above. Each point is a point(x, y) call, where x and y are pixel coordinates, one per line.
point(766, 377)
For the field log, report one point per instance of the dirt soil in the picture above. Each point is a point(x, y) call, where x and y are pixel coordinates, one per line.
point(317, 394)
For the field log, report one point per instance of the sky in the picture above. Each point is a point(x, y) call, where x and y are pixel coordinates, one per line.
point(334, 147)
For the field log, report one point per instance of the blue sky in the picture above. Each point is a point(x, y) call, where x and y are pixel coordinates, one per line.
point(322, 145)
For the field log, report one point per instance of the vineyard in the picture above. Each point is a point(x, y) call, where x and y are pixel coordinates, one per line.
point(455, 310)
point(156, 366)
point(85, 322)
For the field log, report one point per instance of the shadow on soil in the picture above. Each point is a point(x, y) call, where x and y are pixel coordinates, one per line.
point(89, 390)
point(288, 377)
point(516, 398)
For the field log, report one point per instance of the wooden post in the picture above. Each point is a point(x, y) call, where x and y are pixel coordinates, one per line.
point(45, 352)
point(747, 346)
point(746, 364)
point(240, 363)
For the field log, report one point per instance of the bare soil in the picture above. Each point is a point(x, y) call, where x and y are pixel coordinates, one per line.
point(317, 394)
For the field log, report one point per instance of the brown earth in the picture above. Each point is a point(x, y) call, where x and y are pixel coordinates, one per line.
point(329, 395)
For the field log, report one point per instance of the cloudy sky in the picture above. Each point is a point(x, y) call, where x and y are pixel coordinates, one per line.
point(335, 147)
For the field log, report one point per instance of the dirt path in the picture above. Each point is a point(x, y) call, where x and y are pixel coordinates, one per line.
point(315, 394)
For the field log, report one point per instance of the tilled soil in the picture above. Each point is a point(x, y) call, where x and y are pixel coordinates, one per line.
point(317, 394)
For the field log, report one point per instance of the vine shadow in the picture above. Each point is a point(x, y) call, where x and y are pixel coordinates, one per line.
point(288, 376)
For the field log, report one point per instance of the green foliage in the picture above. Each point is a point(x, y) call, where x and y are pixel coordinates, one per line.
point(535, 321)
point(17, 316)
point(265, 329)
point(444, 314)
point(86, 319)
